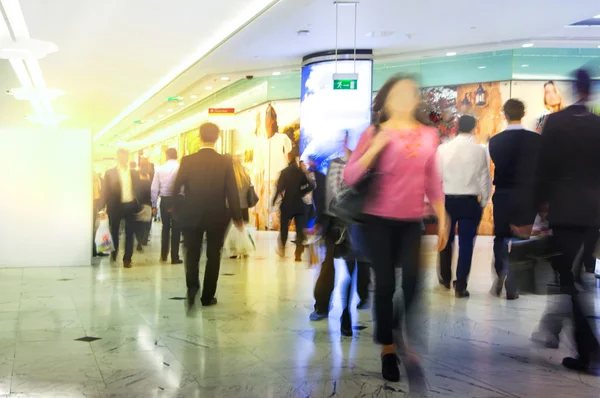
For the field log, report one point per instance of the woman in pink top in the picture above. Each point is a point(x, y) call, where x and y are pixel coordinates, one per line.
point(402, 153)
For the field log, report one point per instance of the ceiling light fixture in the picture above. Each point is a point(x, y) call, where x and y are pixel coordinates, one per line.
point(170, 110)
point(450, 54)
point(31, 93)
point(161, 116)
point(527, 45)
point(208, 88)
point(181, 104)
point(276, 73)
point(525, 66)
point(482, 67)
point(193, 96)
point(225, 78)
point(232, 26)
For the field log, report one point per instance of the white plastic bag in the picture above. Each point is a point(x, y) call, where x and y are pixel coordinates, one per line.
point(240, 243)
point(104, 242)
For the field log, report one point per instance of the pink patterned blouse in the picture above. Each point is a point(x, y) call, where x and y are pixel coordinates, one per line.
point(406, 170)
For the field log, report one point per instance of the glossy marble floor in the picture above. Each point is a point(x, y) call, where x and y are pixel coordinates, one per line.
point(258, 342)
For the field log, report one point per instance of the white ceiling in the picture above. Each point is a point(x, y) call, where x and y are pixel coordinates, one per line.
point(112, 52)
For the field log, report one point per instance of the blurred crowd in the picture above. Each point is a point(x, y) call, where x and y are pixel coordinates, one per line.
point(367, 210)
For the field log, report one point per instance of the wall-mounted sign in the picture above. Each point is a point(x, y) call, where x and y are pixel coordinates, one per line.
point(345, 84)
point(175, 99)
point(221, 111)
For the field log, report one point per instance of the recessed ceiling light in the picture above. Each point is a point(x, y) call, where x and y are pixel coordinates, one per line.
point(161, 115)
point(208, 87)
point(451, 54)
point(170, 110)
point(152, 120)
point(193, 96)
point(276, 73)
point(225, 78)
point(181, 104)
point(482, 67)
point(527, 45)
point(524, 66)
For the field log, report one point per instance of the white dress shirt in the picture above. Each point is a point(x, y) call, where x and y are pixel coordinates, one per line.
point(164, 179)
point(465, 168)
point(126, 185)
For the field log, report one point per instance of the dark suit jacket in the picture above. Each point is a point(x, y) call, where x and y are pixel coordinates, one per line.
point(111, 189)
point(514, 153)
point(211, 195)
point(568, 174)
point(293, 184)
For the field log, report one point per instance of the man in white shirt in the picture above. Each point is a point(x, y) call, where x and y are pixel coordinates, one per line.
point(162, 187)
point(466, 176)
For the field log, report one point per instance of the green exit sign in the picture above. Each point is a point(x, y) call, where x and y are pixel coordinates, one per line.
point(345, 84)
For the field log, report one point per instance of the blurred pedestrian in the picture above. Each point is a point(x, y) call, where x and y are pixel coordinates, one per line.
point(567, 188)
point(466, 176)
point(162, 189)
point(513, 152)
point(401, 154)
point(292, 186)
point(211, 199)
point(120, 195)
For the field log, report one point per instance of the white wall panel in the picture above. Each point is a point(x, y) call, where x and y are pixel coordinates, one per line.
point(45, 197)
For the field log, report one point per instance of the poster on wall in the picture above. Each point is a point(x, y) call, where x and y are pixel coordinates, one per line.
point(329, 114)
point(541, 98)
point(264, 137)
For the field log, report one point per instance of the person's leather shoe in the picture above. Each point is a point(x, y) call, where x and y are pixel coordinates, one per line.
point(127, 263)
point(512, 296)
point(462, 293)
point(389, 367)
point(178, 261)
point(575, 364)
point(113, 257)
point(211, 302)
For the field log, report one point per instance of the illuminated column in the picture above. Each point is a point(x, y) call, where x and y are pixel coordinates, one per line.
point(336, 94)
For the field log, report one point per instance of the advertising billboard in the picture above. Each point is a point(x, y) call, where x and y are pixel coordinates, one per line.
point(330, 111)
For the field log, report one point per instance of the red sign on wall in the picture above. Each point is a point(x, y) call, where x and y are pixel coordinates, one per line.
point(221, 111)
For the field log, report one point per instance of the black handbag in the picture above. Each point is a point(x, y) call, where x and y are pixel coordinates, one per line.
point(252, 197)
point(349, 203)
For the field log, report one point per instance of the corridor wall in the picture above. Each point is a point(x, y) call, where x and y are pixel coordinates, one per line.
point(46, 197)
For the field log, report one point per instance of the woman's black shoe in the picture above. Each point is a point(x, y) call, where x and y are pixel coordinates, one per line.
point(389, 367)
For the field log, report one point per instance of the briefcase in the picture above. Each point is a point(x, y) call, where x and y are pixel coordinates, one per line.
point(529, 269)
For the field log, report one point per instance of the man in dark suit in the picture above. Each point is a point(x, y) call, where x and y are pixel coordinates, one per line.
point(210, 201)
point(514, 153)
point(120, 194)
point(567, 186)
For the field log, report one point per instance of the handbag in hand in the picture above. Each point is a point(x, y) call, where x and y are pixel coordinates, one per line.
point(349, 203)
point(252, 197)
